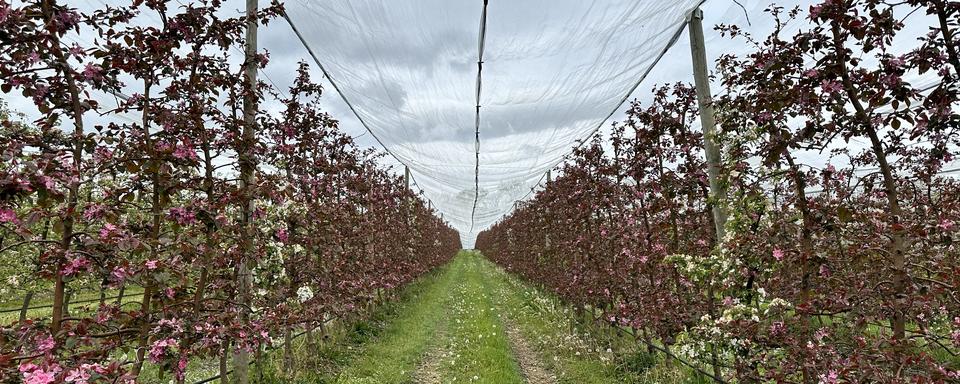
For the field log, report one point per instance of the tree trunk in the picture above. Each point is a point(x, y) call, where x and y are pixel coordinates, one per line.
point(56, 50)
point(224, 373)
point(897, 248)
point(25, 307)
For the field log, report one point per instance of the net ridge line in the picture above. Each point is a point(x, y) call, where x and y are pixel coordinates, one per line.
point(343, 97)
point(476, 176)
point(673, 40)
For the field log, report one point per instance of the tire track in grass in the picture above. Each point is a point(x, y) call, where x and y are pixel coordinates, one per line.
point(530, 364)
point(394, 356)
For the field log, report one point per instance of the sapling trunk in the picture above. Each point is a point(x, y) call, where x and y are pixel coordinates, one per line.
point(897, 246)
point(67, 221)
point(26, 307)
point(156, 211)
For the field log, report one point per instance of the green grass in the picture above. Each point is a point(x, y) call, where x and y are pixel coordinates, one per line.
point(477, 349)
point(451, 327)
point(585, 354)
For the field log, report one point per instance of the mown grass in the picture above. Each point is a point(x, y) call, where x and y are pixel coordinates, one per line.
point(384, 348)
point(477, 349)
point(577, 351)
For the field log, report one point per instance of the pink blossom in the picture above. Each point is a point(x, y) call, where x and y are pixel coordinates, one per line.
point(77, 50)
point(829, 378)
point(160, 348)
point(169, 292)
point(811, 73)
point(778, 254)
point(824, 271)
point(75, 265)
point(33, 58)
point(39, 377)
point(119, 274)
point(28, 367)
point(108, 231)
point(4, 12)
point(92, 72)
point(102, 154)
point(46, 344)
point(946, 225)
point(151, 264)
point(282, 235)
point(7, 215)
point(830, 86)
point(93, 211)
point(67, 19)
point(181, 368)
point(185, 152)
point(182, 215)
point(78, 376)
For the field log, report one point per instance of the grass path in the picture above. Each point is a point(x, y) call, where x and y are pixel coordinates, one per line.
point(470, 322)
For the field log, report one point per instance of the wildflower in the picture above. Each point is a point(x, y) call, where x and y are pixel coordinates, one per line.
point(778, 254)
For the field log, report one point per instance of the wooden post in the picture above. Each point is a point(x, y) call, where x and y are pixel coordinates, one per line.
point(711, 147)
point(708, 121)
point(549, 179)
point(406, 176)
point(241, 361)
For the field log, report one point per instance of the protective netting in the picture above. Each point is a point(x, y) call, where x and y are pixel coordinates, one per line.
point(552, 73)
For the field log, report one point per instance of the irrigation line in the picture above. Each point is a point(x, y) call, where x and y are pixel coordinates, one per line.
point(481, 41)
point(72, 302)
point(252, 362)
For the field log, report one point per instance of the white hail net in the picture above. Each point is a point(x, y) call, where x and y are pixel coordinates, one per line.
point(553, 72)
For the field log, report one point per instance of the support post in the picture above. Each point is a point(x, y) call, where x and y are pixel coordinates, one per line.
point(241, 361)
point(549, 179)
point(708, 121)
point(406, 176)
point(711, 146)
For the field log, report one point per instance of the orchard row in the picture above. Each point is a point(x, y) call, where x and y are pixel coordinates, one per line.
point(240, 226)
point(814, 259)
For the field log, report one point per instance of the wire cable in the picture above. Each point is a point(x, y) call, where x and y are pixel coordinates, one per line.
point(476, 176)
